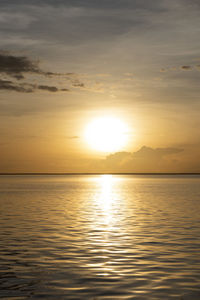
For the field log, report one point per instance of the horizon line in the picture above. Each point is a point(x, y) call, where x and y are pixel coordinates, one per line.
point(99, 173)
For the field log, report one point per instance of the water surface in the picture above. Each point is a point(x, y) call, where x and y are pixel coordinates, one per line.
point(99, 237)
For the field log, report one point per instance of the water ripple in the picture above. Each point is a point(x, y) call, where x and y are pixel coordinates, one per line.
point(99, 237)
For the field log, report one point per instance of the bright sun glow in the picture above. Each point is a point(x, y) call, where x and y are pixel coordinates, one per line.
point(106, 134)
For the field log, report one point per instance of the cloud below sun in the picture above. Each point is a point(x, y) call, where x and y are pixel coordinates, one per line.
point(144, 160)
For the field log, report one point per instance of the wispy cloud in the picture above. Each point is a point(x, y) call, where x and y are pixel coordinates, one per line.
point(50, 88)
point(20, 67)
point(18, 72)
point(11, 86)
point(27, 87)
point(73, 137)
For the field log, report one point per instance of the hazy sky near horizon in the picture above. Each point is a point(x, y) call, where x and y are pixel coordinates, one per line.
point(64, 63)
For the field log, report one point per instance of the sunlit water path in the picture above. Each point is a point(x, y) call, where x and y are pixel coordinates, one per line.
point(99, 237)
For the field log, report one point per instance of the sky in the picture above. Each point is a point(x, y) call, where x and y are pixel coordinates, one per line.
point(65, 63)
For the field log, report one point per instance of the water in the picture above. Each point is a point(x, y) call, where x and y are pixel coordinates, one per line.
point(99, 237)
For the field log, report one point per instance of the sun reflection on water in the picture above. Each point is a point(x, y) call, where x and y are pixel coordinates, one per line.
point(107, 202)
point(105, 223)
point(106, 199)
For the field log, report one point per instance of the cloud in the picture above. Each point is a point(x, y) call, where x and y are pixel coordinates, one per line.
point(51, 88)
point(9, 85)
point(146, 159)
point(18, 67)
point(23, 71)
point(26, 87)
point(186, 68)
point(78, 84)
point(158, 152)
point(73, 137)
point(108, 36)
point(48, 88)
point(15, 66)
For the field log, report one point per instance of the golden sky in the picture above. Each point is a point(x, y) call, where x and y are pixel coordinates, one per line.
point(65, 64)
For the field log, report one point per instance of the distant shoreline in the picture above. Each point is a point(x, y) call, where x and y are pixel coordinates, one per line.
point(65, 174)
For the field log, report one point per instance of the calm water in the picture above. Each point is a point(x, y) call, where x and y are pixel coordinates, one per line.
point(99, 237)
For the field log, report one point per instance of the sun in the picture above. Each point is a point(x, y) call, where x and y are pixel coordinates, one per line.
point(106, 134)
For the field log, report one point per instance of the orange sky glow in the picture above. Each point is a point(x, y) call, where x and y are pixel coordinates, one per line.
point(135, 66)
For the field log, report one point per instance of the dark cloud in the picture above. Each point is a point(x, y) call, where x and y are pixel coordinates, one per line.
point(65, 90)
point(26, 87)
point(48, 88)
point(15, 66)
point(18, 67)
point(9, 85)
point(186, 68)
point(51, 88)
point(78, 84)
